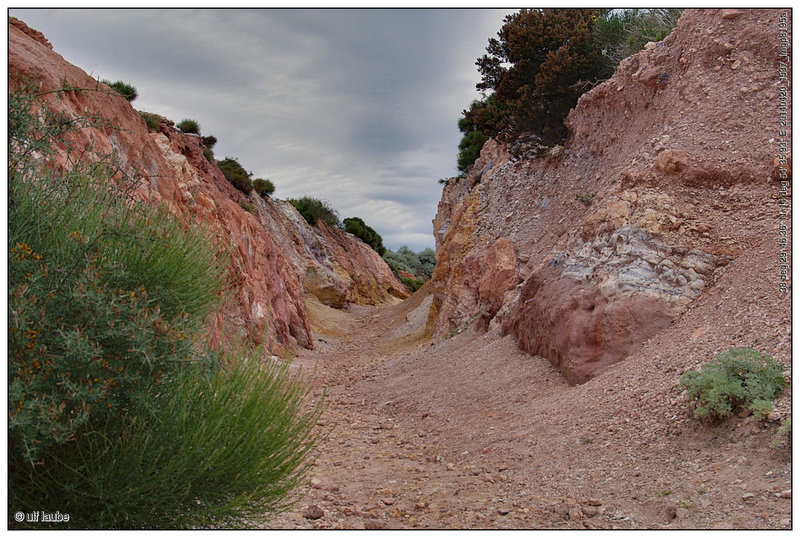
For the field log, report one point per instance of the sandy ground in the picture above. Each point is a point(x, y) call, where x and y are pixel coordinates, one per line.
point(470, 432)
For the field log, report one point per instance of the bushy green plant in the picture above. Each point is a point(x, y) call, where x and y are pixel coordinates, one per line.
point(247, 206)
point(189, 126)
point(620, 33)
point(123, 88)
point(314, 210)
point(411, 283)
point(208, 154)
point(116, 415)
point(221, 447)
point(236, 174)
point(359, 228)
point(209, 141)
point(741, 378)
point(151, 120)
point(264, 187)
point(405, 259)
point(469, 149)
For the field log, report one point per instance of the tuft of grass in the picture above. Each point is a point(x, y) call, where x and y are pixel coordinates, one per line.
point(189, 126)
point(123, 88)
point(151, 120)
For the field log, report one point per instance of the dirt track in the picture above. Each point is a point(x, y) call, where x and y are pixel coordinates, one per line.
point(471, 432)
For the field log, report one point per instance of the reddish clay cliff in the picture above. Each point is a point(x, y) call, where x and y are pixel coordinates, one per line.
point(666, 179)
point(276, 257)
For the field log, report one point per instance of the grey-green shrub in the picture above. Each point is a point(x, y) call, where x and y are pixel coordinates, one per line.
point(189, 126)
point(124, 89)
point(119, 414)
point(151, 120)
point(741, 378)
point(264, 187)
point(314, 210)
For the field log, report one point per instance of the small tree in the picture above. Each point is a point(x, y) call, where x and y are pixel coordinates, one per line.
point(209, 141)
point(124, 89)
point(189, 126)
point(238, 176)
point(359, 228)
point(263, 187)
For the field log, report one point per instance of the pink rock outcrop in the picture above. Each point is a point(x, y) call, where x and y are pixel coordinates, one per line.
point(646, 205)
point(276, 257)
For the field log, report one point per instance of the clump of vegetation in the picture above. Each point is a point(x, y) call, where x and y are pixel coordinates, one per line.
point(123, 88)
point(359, 228)
point(107, 358)
point(314, 210)
point(741, 378)
point(585, 199)
point(236, 174)
point(419, 263)
point(541, 62)
point(620, 33)
point(412, 284)
point(469, 149)
point(247, 206)
point(208, 154)
point(210, 141)
point(151, 120)
point(264, 187)
point(189, 126)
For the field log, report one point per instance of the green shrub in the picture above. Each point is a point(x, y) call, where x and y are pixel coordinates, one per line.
point(236, 174)
point(217, 448)
point(189, 126)
point(412, 284)
point(209, 141)
point(264, 187)
point(741, 378)
point(405, 259)
point(247, 207)
point(620, 33)
point(469, 149)
point(116, 414)
point(208, 154)
point(151, 120)
point(359, 228)
point(314, 210)
point(124, 89)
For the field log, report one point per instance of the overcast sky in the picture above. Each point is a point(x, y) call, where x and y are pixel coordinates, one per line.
point(356, 107)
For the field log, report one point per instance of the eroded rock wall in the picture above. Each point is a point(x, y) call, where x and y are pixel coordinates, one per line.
point(650, 199)
point(275, 256)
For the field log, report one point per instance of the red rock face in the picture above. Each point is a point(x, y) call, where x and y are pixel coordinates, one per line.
point(666, 166)
point(275, 256)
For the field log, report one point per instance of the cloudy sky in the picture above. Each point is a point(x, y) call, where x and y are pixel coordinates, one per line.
point(356, 107)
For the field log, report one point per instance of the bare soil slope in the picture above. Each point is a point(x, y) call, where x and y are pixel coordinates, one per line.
point(471, 432)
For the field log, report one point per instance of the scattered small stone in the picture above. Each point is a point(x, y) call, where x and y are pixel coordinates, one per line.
point(589, 511)
point(748, 496)
point(372, 524)
point(575, 513)
point(388, 501)
point(787, 494)
point(594, 502)
point(502, 511)
point(316, 483)
point(502, 467)
point(313, 512)
point(681, 513)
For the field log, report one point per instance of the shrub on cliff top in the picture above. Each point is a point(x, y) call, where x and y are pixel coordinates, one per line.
point(151, 120)
point(236, 174)
point(264, 187)
point(123, 88)
point(314, 210)
point(189, 126)
point(741, 378)
point(359, 228)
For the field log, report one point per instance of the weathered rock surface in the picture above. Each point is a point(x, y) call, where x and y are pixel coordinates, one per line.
point(618, 233)
point(276, 257)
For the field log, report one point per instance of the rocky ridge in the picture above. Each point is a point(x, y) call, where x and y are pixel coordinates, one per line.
point(615, 234)
point(276, 258)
